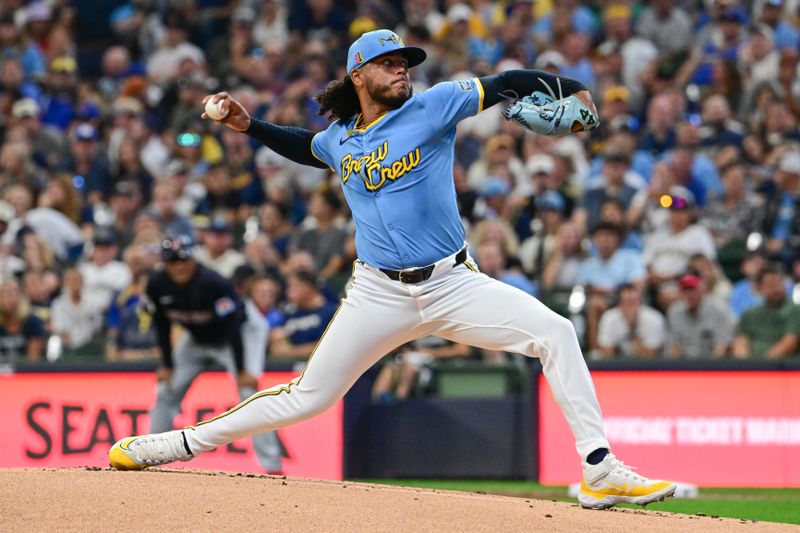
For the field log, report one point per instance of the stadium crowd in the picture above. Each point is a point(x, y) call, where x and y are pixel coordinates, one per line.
point(673, 230)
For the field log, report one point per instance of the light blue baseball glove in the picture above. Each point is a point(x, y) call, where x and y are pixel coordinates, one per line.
point(547, 115)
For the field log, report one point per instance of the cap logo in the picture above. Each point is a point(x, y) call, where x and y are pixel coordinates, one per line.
point(393, 38)
point(358, 58)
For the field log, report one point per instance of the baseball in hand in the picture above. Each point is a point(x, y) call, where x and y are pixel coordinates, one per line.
point(218, 110)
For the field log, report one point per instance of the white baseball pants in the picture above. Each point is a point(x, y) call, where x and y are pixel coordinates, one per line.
point(379, 314)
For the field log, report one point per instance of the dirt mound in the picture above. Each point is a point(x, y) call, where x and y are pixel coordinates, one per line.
point(93, 499)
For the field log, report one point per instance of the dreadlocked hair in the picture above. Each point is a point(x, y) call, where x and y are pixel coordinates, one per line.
point(340, 98)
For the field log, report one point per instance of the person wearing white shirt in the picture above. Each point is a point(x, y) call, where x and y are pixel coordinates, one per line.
point(631, 329)
point(77, 315)
point(667, 252)
point(103, 274)
point(216, 252)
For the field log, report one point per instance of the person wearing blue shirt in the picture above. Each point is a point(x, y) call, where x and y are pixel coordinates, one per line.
point(786, 35)
point(304, 320)
point(603, 273)
point(394, 153)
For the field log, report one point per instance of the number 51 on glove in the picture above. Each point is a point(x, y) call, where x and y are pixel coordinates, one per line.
point(543, 114)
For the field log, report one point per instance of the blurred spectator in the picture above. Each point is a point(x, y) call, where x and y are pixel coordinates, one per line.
point(40, 287)
point(667, 252)
point(735, 215)
point(276, 226)
point(498, 158)
point(667, 26)
point(536, 249)
point(21, 332)
point(322, 234)
point(714, 280)
point(48, 144)
point(578, 17)
point(117, 66)
point(265, 293)
point(562, 267)
point(35, 252)
point(494, 263)
point(174, 49)
point(14, 43)
point(646, 211)
point(577, 65)
point(727, 82)
point(229, 52)
point(18, 168)
point(611, 184)
point(722, 40)
point(271, 27)
point(493, 201)
point(718, 128)
point(217, 252)
point(78, 316)
point(613, 212)
point(660, 135)
point(770, 330)
point(60, 104)
point(548, 177)
point(759, 58)
point(306, 316)
point(239, 157)
point(745, 294)
point(61, 195)
point(398, 377)
point(700, 326)
point(785, 33)
point(456, 39)
point(124, 202)
point(103, 274)
point(165, 208)
point(131, 335)
point(317, 19)
point(781, 216)
point(221, 199)
point(64, 238)
point(692, 169)
point(88, 163)
point(182, 103)
point(602, 274)
point(637, 52)
point(130, 168)
point(495, 230)
point(631, 329)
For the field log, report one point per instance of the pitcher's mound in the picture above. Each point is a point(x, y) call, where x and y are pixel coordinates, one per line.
point(189, 500)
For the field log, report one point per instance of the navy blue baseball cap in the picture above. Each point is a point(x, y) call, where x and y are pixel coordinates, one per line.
point(377, 43)
point(176, 248)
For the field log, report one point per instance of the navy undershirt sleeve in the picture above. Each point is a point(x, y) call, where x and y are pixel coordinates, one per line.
point(522, 83)
point(290, 142)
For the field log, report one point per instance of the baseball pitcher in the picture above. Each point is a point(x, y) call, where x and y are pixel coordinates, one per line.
point(414, 276)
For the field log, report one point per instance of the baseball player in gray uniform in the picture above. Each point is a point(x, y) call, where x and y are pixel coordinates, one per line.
point(394, 152)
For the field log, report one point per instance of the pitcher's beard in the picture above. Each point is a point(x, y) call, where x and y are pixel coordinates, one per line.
point(380, 95)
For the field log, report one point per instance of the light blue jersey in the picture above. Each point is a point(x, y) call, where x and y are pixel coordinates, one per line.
point(397, 175)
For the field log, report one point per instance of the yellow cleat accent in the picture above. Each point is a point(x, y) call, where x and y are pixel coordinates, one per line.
point(610, 482)
point(629, 494)
point(118, 457)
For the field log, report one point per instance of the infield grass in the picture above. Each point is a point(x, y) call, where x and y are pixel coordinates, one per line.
point(772, 505)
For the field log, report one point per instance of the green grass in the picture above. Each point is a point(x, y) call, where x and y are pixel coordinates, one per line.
point(772, 505)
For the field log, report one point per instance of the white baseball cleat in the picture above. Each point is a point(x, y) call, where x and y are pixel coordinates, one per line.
point(611, 482)
point(137, 453)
